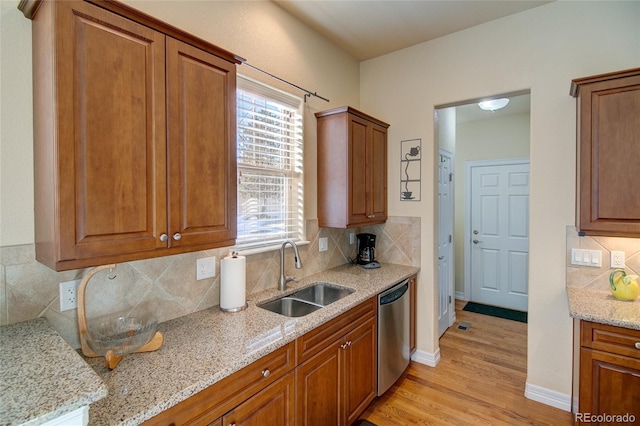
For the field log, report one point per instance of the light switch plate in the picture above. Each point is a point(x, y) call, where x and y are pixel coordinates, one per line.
point(581, 257)
point(205, 268)
point(323, 244)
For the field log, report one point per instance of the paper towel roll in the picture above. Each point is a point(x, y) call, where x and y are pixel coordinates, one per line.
point(233, 283)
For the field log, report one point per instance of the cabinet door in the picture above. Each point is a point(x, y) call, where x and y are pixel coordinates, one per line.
point(608, 126)
point(359, 175)
point(273, 405)
point(111, 135)
point(319, 389)
point(360, 379)
point(377, 157)
point(201, 147)
point(609, 384)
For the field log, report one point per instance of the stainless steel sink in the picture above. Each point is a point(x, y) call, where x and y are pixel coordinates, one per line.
point(290, 307)
point(322, 294)
point(307, 300)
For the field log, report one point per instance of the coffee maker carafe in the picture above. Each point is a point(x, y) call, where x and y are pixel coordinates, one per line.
point(366, 247)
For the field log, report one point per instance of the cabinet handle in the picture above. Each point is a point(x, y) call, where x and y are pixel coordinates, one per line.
point(177, 236)
point(164, 237)
point(344, 346)
point(266, 372)
point(371, 216)
point(637, 345)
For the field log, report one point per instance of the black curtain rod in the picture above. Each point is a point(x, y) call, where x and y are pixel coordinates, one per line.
point(307, 93)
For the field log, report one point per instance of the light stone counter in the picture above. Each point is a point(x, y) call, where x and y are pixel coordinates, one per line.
point(41, 376)
point(600, 306)
point(202, 348)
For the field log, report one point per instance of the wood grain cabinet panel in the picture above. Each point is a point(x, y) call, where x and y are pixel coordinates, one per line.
point(336, 384)
point(352, 169)
point(113, 183)
point(608, 109)
point(609, 370)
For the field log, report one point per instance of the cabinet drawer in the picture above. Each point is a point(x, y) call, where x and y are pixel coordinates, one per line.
point(316, 340)
point(609, 338)
point(221, 397)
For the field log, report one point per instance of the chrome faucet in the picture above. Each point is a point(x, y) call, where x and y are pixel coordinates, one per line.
point(282, 285)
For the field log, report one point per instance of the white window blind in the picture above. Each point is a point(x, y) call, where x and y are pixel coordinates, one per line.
point(270, 184)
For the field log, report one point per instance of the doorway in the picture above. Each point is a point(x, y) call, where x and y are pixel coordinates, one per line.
point(497, 232)
point(472, 134)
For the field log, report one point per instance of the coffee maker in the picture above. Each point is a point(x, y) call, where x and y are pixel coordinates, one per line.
point(366, 247)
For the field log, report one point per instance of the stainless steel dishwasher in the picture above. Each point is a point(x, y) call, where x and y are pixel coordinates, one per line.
point(393, 335)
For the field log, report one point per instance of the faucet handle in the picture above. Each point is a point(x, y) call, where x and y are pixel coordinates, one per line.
point(288, 278)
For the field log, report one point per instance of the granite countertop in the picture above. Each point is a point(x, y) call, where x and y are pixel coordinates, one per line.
point(41, 376)
point(202, 348)
point(600, 306)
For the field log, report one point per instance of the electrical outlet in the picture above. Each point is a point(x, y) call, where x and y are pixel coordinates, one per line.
point(205, 268)
point(323, 244)
point(68, 295)
point(617, 259)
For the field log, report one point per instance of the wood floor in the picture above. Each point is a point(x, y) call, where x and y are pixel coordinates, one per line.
point(480, 380)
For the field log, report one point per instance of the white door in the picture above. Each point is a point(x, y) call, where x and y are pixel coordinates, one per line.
point(445, 240)
point(499, 237)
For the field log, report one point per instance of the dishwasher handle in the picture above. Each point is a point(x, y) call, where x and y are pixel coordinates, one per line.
point(394, 294)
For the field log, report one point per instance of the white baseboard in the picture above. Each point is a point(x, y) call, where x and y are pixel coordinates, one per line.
point(548, 397)
point(460, 295)
point(426, 358)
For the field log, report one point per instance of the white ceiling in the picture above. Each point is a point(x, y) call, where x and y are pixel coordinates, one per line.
point(370, 28)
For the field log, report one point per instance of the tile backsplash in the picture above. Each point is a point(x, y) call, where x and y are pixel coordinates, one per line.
point(167, 286)
point(598, 278)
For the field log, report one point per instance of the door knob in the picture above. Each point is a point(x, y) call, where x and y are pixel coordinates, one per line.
point(177, 236)
point(476, 241)
point(440, 257)
point(164, 237)
point(475, 232)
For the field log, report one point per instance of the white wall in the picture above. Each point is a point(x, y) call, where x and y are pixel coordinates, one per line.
point(542, 49)
point(259, 31)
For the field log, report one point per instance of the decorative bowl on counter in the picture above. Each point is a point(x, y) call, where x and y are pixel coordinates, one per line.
point(122, 335)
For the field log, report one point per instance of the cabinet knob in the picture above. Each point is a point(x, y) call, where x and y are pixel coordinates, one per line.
point(266, 372)
point(637, 345)
point(164, 237)
point(177, 236)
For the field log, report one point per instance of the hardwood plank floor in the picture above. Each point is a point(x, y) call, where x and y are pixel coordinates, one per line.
point(480, 380)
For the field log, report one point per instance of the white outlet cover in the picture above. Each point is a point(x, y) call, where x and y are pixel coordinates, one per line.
point(205, 268)
point(69, 295)
point(617, 259)
point(323, 244)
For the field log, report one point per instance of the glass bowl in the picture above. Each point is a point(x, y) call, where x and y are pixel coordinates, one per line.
point(122, 335)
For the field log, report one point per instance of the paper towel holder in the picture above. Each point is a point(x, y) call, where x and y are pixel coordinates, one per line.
point(234, 254)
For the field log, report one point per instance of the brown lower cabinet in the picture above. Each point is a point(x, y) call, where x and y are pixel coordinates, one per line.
point(609, 373)
point(326, 377)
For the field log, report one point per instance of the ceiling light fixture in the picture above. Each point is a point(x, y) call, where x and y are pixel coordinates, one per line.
point(493, 104)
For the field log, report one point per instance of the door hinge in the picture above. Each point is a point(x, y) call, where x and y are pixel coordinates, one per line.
point(449, 299)
point(450, 177)
point(450, 238)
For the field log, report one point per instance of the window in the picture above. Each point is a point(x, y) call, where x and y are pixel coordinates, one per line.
point(270, 184)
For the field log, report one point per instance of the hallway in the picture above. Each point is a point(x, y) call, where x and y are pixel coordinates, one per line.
point(479, 380)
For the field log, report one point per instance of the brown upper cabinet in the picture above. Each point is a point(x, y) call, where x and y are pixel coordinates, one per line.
point(134, 136)
point(352, 169)
point(608, 113)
